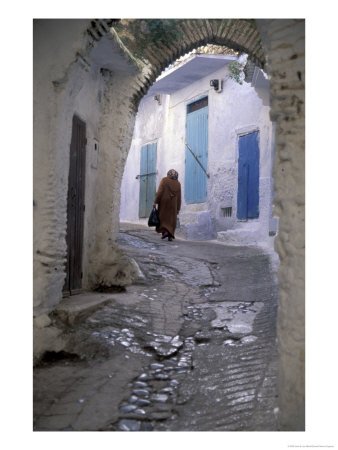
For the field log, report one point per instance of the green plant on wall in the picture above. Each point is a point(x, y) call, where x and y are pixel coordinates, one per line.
point(162, 31)
point(149, 32)
point(236, 71)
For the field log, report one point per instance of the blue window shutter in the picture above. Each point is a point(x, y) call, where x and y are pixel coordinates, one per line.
point(151, 178)
point(197, 139)
point(143, 182)
point(147, 178)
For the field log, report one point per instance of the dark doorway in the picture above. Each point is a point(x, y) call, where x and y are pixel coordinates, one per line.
point(75, 208)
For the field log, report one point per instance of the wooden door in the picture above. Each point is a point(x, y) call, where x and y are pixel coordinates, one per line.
point(248, 177)
point(195, 180)
point(75, 208)
point(147, 179)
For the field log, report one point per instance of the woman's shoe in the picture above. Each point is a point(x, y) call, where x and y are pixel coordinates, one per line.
point(164, 235)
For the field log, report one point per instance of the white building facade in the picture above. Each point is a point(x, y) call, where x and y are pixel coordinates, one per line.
point(226, 173)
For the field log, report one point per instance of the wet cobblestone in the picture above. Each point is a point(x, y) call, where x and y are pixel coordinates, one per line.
point(177, 351)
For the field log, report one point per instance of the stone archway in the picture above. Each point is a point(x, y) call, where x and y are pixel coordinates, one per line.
point(148, 46)
point(159, 42)
point(278, 46)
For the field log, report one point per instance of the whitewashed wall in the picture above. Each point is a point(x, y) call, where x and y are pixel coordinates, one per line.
point(57, 97)
point(236, 110)
point(67, 82)
point(64, 85)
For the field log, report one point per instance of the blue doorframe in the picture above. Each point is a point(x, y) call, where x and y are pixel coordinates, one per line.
point(195, 180)
point(248, 176)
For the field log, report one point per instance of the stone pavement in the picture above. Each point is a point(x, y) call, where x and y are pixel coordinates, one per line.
point(191, 346)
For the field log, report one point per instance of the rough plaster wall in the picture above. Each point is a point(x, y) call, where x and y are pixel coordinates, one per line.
point(59, 76)
point(52, 58)
point(67, 83)
point(284, 42)
point(107, 264)
point(79, 91)
point(83, 97)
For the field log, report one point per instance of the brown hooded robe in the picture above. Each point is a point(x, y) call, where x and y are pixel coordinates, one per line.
point(168, 198)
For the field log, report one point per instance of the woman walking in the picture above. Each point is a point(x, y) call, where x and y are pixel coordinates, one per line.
point(168, 198)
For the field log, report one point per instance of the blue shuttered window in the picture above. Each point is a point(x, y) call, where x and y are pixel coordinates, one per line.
point(197, 138)
point(147, 179)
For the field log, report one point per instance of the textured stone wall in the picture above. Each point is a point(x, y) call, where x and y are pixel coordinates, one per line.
point(153, 44)
point(284, 44)
point(107, 264)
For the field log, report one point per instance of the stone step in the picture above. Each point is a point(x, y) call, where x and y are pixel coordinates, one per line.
point(74, 309)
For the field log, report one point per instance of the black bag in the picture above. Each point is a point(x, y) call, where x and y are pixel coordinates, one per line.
point(154, 219)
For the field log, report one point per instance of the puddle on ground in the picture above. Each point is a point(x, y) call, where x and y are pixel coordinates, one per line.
point(237, 317)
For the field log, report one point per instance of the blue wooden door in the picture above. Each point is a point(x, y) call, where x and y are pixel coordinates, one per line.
point(195, 184)
point(248, 177)
point(147, 179)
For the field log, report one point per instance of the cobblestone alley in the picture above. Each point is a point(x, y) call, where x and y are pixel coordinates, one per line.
point(191, 346)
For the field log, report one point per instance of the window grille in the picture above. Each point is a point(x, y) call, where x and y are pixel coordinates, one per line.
point(199, 104)
point(227, 212)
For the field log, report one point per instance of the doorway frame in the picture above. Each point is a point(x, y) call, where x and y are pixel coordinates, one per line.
point(67, 290)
